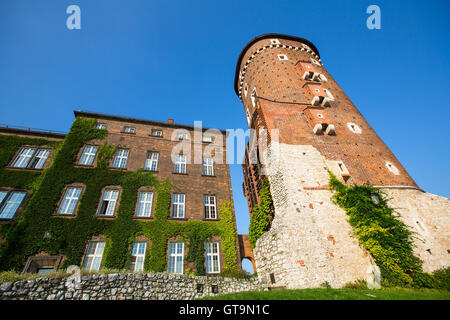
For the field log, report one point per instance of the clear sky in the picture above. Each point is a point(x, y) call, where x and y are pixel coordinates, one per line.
point(176, 59)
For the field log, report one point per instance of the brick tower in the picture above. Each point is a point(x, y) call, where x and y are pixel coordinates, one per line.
point(283, 85)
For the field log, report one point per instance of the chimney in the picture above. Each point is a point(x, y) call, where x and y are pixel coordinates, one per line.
point(170, 121)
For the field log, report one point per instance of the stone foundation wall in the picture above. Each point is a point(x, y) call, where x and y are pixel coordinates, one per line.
point(310, 241)
point(133, 286)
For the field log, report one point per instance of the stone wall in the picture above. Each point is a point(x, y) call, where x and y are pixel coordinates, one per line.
point(310, 241)
point(133, 286)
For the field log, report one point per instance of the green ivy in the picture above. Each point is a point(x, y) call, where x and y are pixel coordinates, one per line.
point(261, 215)
point(69, 236)
point(386, 238)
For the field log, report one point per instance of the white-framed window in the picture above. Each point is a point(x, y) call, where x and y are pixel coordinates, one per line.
point(182, 136)
point(392, 168)
point(100, 126)
point(94, 256)
point(138, 256)
point(144, 208)
point(70, 200)
point(156, 133)
point(275, 41)
point(208, 166)
point(120, 158)
point(209, 203)
point(151, 162)
point(178, 205)
point(176, 256)
point(128, 129)
point(108, 202)
point(10, 202)
point(180, 163)
point(31, 158)
point(282, 57)
point(212, 257)
point(354, 128)
point(88, 156)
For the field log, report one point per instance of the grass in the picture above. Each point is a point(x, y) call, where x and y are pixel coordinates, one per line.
point(338, 294)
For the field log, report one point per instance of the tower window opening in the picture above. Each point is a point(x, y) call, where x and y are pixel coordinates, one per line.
point(274, 41)
point(283, 57)
point(354, 128)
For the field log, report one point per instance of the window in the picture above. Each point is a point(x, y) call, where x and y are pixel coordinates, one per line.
point(354, 128)
point(208, 167)
point(156, 133)
point(315, 62)
point(253, 96)
point(151, 162)
point(127, 129)
point(180, 163)
point(176, 253)
point(94, 256)
point(210, 207)
point(328, 92)
point(245, 89)
point(342, 168)
point(100, 126)
point(108, 204)
point(88, 156)
point(31, 158)
point(138, 256)
point(283, 57)
point(120, 158)
point(182, 136)
point(145, 204)
point(247, 115)
point(274, 41)
point(212, 257)
point(42, 264)
point(178, 200)
point(70, 200)
point(392, 168)
point(10, 202)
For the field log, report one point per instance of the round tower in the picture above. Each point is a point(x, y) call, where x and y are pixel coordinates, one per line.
point(284, 86)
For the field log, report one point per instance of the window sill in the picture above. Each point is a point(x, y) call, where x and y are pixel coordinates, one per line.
point(143, 218)
point(205, 219)
point(146, 170)
point(105, 217)
point(60, 215)
point(208, 175)
point(180, 219)
point(151, 135)
point(180, 173)
point(26, 169)
point(133, 133)
point(84, 165)
point(117, 169)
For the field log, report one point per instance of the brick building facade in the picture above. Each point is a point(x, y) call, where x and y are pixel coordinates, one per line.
point(188, 158)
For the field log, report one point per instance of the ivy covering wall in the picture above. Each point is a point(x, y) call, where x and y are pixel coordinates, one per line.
point(262, 214)
point(69, 236)
point(385, 236)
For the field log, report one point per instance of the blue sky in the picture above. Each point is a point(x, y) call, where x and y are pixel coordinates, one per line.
point(176, 59)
